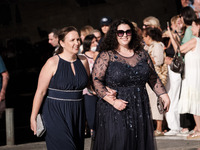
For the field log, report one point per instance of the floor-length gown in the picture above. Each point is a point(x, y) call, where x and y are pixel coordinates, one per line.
point(63, 110)
point(131, 128)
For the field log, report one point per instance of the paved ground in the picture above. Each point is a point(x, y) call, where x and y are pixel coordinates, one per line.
point(163, 143)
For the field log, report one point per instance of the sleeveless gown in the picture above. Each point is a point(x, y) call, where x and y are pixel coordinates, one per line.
point(190, 94)
point(63, 110)
point(132, 128)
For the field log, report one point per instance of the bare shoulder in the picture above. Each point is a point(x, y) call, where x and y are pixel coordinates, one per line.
point(192, 43)
point(51, 64)
point(52, 60)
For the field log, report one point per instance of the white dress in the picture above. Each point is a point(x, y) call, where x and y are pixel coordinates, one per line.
point(190, 93)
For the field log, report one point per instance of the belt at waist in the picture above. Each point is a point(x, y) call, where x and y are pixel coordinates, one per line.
point(68, 95)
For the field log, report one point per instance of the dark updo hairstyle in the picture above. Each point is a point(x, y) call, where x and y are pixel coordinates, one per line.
point(110, 41)
point(188, 15)
point(61, 36)
point(87, 42)
point(154, 33)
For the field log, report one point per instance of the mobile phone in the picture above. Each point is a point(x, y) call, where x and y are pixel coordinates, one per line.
point(167, 24)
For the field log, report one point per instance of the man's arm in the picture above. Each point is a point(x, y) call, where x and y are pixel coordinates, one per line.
point(5, 78)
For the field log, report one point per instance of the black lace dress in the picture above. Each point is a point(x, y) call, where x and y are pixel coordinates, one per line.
point(130, 129)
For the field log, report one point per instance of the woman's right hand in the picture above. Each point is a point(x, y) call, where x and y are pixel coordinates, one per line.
point(33, 125)
point(111, 92)
point(119, 104)
point(168, 60)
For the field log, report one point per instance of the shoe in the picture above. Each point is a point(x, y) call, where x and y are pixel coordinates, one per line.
point(195, 135)
point(192, 132)
point(158, 133)
point(171, 132)
point(183, 132)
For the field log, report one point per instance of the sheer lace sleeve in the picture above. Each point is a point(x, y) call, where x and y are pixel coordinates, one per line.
point(154, 80)
point(98, 74)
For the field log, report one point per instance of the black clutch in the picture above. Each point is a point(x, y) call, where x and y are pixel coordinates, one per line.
point(40, 126)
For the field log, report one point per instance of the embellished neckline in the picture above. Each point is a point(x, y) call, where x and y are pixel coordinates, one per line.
point(126, 56)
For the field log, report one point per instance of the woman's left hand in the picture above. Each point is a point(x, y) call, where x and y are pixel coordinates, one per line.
point(33, 125)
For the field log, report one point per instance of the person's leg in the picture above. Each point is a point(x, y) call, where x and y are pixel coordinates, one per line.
point(159, 125)
point(183, 124)
point(173, 89)
point(158, 131)
point(197, 121)
point(196, 134)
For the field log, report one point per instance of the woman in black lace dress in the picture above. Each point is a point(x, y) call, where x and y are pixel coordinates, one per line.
point(124, 122)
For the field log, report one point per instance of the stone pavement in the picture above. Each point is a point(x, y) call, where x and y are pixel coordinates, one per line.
point(163, 143)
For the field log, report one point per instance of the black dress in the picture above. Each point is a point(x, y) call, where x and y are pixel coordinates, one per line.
point(63, 110)
point(130, 129)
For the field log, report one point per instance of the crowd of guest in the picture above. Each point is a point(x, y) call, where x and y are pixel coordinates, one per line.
point(115, 95)
point(105, 82)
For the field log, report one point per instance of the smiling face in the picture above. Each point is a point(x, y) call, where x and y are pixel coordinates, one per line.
point(125, 34)
point(71, 42)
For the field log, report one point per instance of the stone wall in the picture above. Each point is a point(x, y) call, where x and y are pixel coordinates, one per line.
point(44, 15)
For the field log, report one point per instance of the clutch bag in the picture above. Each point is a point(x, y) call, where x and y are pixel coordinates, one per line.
point(160, 105)
point(40, 126)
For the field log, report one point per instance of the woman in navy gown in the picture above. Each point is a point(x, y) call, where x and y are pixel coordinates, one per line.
point(63, 78)
point(124, 122)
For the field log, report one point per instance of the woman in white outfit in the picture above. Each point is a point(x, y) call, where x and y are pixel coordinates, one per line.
point(174, 80)
point(190, 94)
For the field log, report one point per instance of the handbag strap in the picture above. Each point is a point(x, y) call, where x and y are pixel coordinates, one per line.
point(178, 53)
point(178, 44)
point(178, 50)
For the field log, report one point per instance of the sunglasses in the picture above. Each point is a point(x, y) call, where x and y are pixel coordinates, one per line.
point(120, 33)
